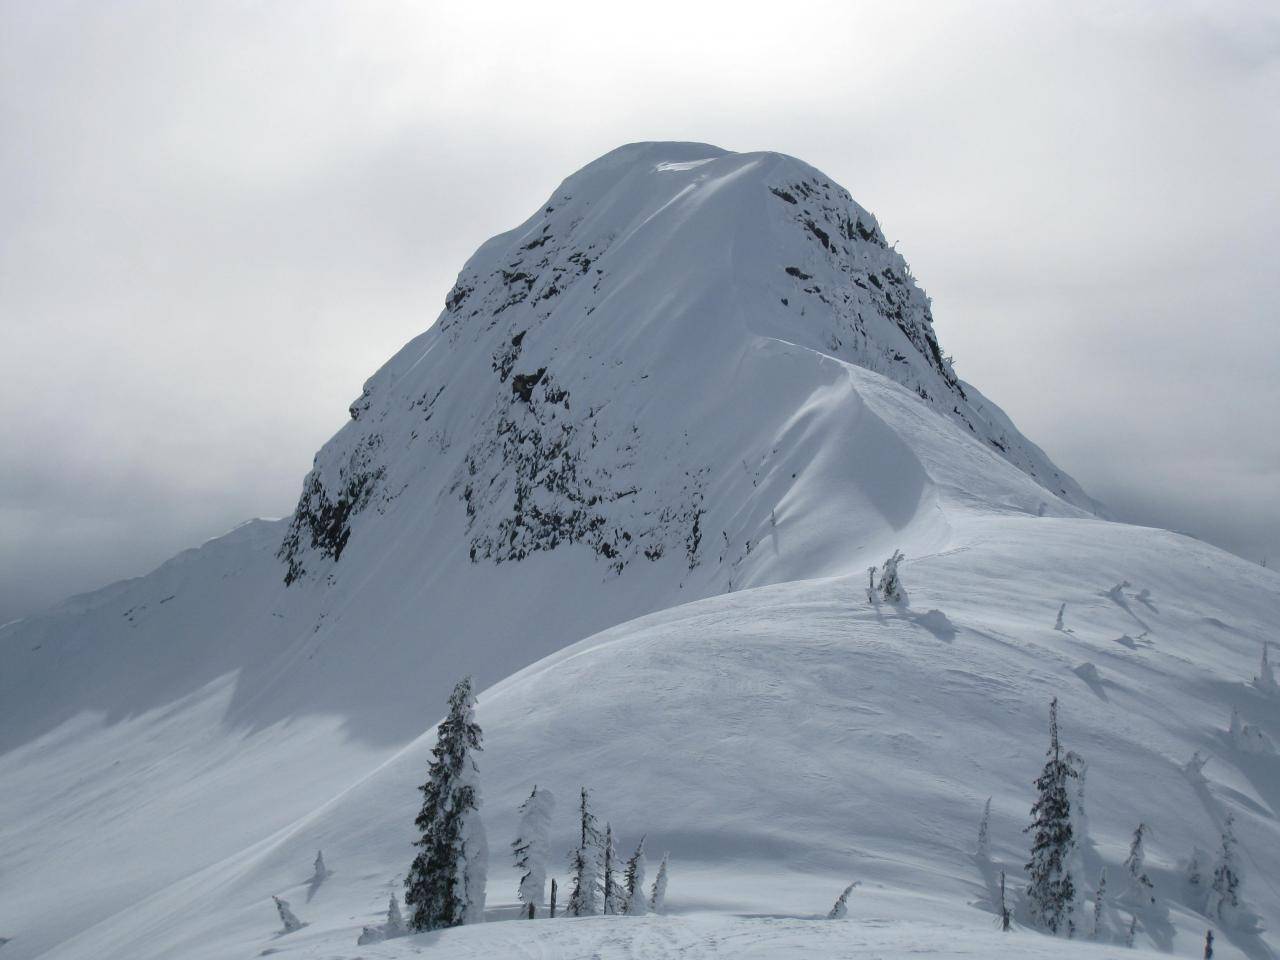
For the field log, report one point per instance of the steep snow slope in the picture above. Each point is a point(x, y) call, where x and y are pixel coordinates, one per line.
point(784, 740)
point(691, 373)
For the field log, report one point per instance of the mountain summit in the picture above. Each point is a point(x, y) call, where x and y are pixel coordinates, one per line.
point(597, 367)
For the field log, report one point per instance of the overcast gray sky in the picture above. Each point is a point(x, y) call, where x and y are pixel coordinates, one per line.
point(216, 220)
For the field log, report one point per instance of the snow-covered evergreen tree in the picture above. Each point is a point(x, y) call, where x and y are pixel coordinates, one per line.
point(584, 864)
point(318, 875)
point(1079, 811)
point(658, 895)
point(1006, 917)
point(890, 586)
point(984, 831)
point(531, 848)
point(1266, 678)
point(1141, 888)
point(1079, 827)
point(1225, 889)
point(1132, 935)
point(551, 904)
point(1197, 891)
point(1058, 625)
point(841, 908)
point(1248, 738)
point(395, 922)
point(1194, 769)
point(445, 885)
point(612, 891)
point(288, 919)
point(1099, 901)
point(1051, 892)
point(633, 883)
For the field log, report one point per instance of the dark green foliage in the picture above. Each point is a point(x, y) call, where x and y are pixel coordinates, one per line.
point(1051, 891)
point(433, 888)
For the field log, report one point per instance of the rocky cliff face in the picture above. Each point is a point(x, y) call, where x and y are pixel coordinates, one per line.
point(561, 397)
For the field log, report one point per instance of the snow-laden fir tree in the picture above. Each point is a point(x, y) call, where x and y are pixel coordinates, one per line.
point(318, 875)
point(1132, 935)
point(890, 586)
point(1051, 892)
point(1079, 812)
point(1058, 625)
point(551, 905)
point(1099, 900)
point(1194, 879)
point(531, 849)
point(1225, 889)
point(633, 883)
point(1006, 917)
point(1248, 738)
point(1141, 888)
point(840, 909)
point(1193, 769)
point(658, 895)
point(445, 885)
point(984, 831)
point(1266, 678)
point(612, 892)
point(395, 922)
point(584, 864)
point(288, 919)
point(1079, 826)
point(394, 927)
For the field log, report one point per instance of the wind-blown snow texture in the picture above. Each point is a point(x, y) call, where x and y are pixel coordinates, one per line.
point(692, 376)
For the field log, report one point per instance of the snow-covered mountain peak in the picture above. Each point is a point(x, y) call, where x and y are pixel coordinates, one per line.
point(689, 374)
point(573, 389)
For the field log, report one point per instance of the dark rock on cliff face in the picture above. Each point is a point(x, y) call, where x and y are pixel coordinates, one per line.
point(527, 411)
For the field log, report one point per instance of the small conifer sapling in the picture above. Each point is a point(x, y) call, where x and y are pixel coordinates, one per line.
point(1226, 874)
point(840, 910)
point(1135, 864)
point(288, 919)
point(584, 864)
point(633, 883)
point(984, 831)
point(395, 922)
point(658, 895)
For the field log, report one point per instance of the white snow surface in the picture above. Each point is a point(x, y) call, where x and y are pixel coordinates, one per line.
point(644, 526)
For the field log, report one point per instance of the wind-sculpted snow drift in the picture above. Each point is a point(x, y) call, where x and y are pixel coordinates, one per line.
point(699, 389)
